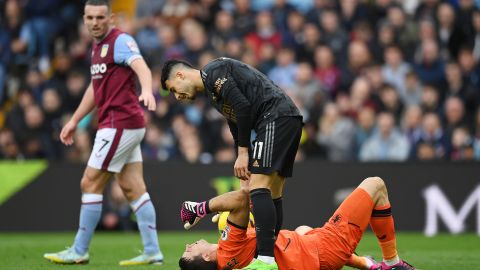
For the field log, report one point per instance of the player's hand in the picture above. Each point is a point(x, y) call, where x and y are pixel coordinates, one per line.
point(66, 136)
point(148, 100)
point(241, 166)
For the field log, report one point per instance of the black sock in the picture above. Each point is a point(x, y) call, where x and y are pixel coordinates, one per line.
point(278, 202)
point(265, 220)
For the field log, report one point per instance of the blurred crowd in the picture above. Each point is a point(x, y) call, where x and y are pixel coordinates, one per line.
point(377, 80)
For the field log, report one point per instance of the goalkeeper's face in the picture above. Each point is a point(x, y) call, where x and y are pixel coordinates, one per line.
point(200, 248)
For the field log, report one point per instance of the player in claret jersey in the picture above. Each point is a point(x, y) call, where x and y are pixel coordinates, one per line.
point(116, 60)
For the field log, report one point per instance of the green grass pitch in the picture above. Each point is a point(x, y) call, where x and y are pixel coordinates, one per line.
point(23, 251)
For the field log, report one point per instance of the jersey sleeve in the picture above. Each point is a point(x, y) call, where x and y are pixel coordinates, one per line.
point(226, 87)
point(126, 50)
point(234, 131)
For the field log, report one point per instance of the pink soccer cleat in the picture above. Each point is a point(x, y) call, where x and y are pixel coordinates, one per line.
point(402, 265)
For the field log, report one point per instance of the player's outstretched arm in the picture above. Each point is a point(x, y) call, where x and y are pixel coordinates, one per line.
point(145, 77)
point(86, 106)
point(237, 202)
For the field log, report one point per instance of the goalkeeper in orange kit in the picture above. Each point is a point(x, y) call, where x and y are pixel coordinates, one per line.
point(329, 247)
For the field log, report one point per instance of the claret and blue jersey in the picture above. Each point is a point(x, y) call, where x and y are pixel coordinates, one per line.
point(114, 81)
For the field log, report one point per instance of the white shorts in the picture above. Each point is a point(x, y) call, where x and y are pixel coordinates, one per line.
point(114, 148)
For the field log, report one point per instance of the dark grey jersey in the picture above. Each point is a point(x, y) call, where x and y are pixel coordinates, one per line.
point(236, 89)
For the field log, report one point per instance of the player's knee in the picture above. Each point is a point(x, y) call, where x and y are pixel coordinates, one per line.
point(375, 185)
point(87, 184)
point(243, 197)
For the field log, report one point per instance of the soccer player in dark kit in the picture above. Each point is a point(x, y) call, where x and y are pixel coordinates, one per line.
point(249, 101)
point(116, 60)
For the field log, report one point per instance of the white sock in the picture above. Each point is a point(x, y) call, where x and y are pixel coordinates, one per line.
point(266, 259)
point(392, 261)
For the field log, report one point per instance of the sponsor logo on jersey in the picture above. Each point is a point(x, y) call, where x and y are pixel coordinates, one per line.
point(218, 84)
point(255, 163)
point(104, 51)
point(132, 45)
point(98, 68)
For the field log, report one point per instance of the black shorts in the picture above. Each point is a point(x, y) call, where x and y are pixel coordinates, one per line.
point(275, 146)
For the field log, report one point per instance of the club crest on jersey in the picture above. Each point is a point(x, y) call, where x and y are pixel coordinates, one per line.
point(104, 51)
point(225, 233)
point(218, 84)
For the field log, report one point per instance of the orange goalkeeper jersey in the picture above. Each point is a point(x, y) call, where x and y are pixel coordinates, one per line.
point(236, 249)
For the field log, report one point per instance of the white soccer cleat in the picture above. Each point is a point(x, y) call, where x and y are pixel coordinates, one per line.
point(144, 259)
point(68, 256)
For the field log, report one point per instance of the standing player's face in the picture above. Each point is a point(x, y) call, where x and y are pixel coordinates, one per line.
point(97, 19)
point(181, 87)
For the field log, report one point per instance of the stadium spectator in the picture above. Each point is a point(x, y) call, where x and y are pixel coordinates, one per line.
point(390, 101)
point(365, 127)
point(265, 32)
point(432, 135)
point(9, 148)
point(395, 69)
point(307, 89)
point(285, 69)
point(244, 17)
point(22, 36)
point(462, 145)
point(430, 66)
point(336, 134)
point(476, 142)
point(450, 36)
point(454, 115)
point(430, 100)
point(359, 57)
point(326, 70)
point(387, 143)
point(411, 124)
point(333, 35)
point(310, 38)
point(413, 90)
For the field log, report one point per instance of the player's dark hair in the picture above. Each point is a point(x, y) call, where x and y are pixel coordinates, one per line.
point(196, 263)
point(167, 69)
point(99, 3)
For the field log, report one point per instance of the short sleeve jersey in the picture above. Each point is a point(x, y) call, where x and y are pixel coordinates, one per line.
point(114, 82)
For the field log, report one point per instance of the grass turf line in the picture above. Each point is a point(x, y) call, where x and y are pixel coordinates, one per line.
point(22, 251)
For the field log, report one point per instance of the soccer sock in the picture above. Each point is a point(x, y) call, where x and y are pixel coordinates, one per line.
point(383, 226)
point(278, 203)
point(90, 213)
point(265, 220)
point(146, 219)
